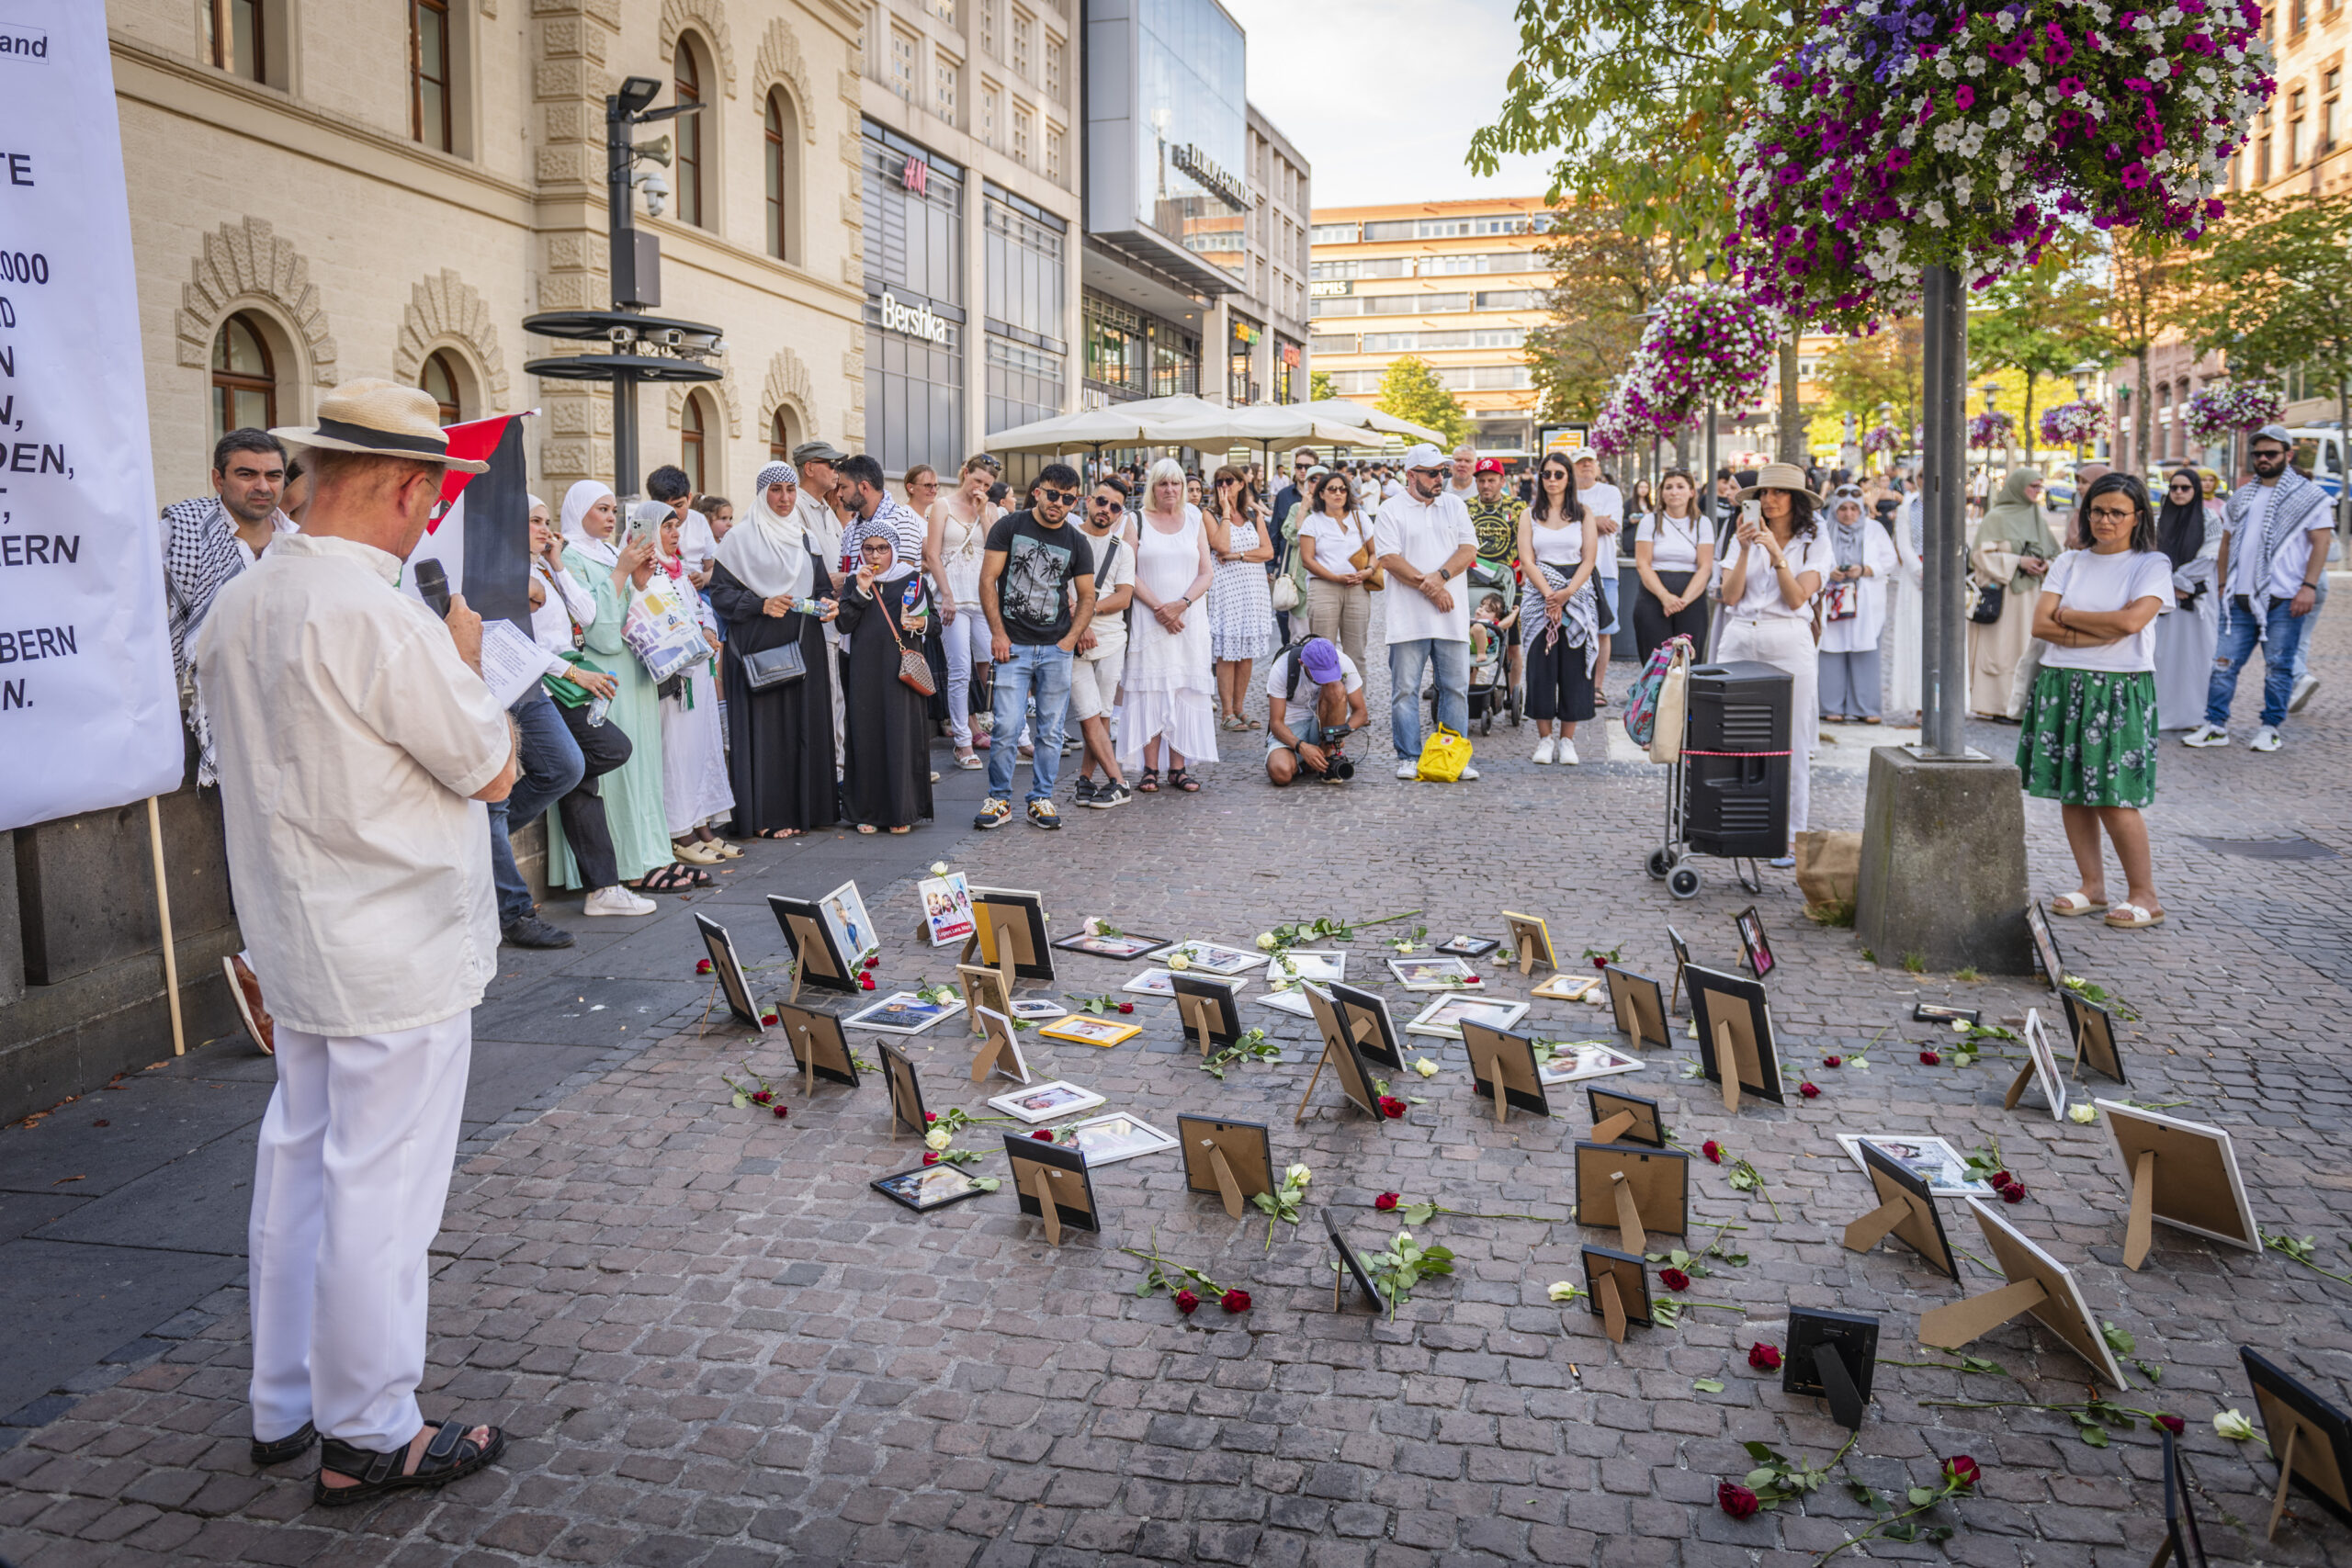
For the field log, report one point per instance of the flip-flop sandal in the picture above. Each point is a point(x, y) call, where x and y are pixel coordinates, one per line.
point(865, 828)
point(2135, 918)
point(777, 833)
point(448, 1456)
point(2074, 904)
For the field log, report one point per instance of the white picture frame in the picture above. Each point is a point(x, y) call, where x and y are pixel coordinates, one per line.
point(1161, 983)
point(1209, 957)
point(1019, 1070)
point(1037, 1010)
point(1293, 1001)
point(1441, 1018)
point(853, 930)
point(1046, 1101)
point(947, 908)
point(1318, 965)
point(1931, 1158)
point(2044, 1058)
point(900, 1006)
point(1107, 1140)
point(1435, 972)
point(1591, 1059)
point(2113, 1109)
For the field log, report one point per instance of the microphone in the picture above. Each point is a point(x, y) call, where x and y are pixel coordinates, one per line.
point(432, 586)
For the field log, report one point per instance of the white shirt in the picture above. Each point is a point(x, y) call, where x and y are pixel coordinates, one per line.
point(1562, 546)
point(1110, 627)
point(1337, 540)
point(568, 605)
point(350, 735)
point(2084, 580)
point(1761, 601)
point(1427, 537)
point(278, 523)
point(1605, 501)
point(1390, 489)
point(1278, 682)
point(1673, 541)
point(2287, 568)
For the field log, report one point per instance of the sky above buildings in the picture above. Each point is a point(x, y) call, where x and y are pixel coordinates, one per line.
point(1381, 96)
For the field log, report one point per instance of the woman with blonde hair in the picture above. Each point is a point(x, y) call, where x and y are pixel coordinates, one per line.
point(1169, 689)
point(959, 525)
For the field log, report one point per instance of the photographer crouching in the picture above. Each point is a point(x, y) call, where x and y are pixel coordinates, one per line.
point(1324, 689)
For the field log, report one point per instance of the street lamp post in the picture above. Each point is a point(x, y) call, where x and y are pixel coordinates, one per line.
point(1992, 391)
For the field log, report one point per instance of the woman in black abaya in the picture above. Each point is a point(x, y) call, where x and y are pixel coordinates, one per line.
point(779, 740)
point(887, 779)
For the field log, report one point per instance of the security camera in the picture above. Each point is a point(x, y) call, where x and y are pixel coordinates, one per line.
point(620, 334)
point(671, 337)
point(657, 191)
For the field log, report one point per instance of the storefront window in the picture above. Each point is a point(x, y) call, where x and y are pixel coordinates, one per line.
point(915, 317)
point(1025, 262)
point(1190, 58)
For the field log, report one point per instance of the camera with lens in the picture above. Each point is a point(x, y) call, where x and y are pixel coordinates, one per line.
point(1331, 737)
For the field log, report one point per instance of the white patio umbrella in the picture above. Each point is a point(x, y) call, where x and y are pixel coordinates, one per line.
point(1265, 425)
point(1342, 411)
point(1137, 424)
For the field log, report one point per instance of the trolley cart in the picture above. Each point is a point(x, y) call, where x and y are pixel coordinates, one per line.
point(1727, 773)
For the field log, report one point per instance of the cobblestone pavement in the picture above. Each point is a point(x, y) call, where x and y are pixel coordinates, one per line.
point(715, 1346)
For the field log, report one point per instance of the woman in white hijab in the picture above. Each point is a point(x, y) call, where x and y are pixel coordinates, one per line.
point(771, 587)
point(1853, 601)
point(632, 792)
point(695, 790)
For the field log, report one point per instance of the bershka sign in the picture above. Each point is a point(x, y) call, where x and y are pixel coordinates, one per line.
point(912, 321)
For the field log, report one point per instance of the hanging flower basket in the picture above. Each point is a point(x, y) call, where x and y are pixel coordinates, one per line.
point(1992, 428)
point(1615, 432)
point(1905, 134)
point(2073, 424)
point(1706, 343)
point(1882, 438)
point(2215, 413)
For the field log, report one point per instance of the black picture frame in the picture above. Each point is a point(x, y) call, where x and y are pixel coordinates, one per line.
point(2274, 1383)
point(1743, 1001)
point(1755, 947)
point(1381, 1046)
point(1350, 1265)
point(1468, 946)
point(2181, 1532)
point(1340, 1048)
point(1825, 1346)
point(894, 1186)
point(1021, 1149)
point(730, 970)
point(1939, 1012)
point(817, 1044)
point(1507, 1050)
point(1219, 998)
point(1627, 991)
point(905, 1090)
point(823, 965)
point(2093, 1027)
point(1248, 1151)
point(1649, 1129)
point(1600, 1260)
point(1661, 1175)
point(1889, 1176)
point(2045, 945)
point(1033, 954)
point(1087, 945)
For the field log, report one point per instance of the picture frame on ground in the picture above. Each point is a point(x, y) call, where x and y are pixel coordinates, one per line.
point(947, 908)
point(1567, 988)
point(1530, 941)
point(984, 991)
point(2042, 1067)
point(1573, 1061)
point(1937, 1012)
point(1124, 946)
point(1293, 1001)
point(1368, 1023)
point(1905, 1210)
point(1755, 947)
point(2310, 1439)
point(1464, 947)
point(1046, 1101)
point(2181, 1173)
point(1931, 1158)
point(1444, 1016)
point(1349, 1265)
point(1502, 1069)
point(1210, 957)
point(1036, 1009)
point(1108, 1140)
point(1620, 1118)
point(1022, 915)
point(1206, 1008)
point(927, 1187)
point(1341, 1052)
point(1323, 965)
point(1234, 1160)
point(906, 1092)
point(1636, 1190)
point(2183, 1539)
point(2093, 1028)
point(999, 1049)
point(1736, 1045)
point(1052, 1184)
point(1085, 1029)
point(902, 1012)
point(1831, 1356)
point(727, 968)
point(817, 1046)
point(2039, 1285)
point(1151, 983)
point(1674, 998)
point(1617, 1287)
point(852, 928)
point(2045, 945)
point(1638, 1005)
point(816, 957)
point(1438, 973)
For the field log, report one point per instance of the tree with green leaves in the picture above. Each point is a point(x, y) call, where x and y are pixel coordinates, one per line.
point(1410, 390)
point(2145, 278)
point(1320, 386)
point(2040, 321)
point(1607, 277)
point(2271, 287)
point(1885, 366)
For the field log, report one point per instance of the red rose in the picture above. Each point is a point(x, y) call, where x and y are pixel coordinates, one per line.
point(782, 1111)
point(1044, 1134)
point(866, 981)
point(762, 1096)
point(1386, 1202)
point(1807, 1090)
point(1764, 1358)
point(1833, 1061)
point(930, 1157)
point(1234, 1301)
point(1736, 1501)
point(1961, 1471)
point(1599, 962)
point(767, 1018)
point(875, 962)
point(1391, 1107)
point(1928, 1058)
point(1674, 1278)
point(2172, 1424)
point(929, 1116)
point(1999, 1180)
point(1186, 1302)
point(701, 966)
point(2013, 1193)
point(1126, 1007)
point(1713, 1151)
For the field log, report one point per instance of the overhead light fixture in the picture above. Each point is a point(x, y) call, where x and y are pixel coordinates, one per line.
point(637, 91)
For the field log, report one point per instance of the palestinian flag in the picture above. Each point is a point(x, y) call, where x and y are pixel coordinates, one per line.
point(481, 532)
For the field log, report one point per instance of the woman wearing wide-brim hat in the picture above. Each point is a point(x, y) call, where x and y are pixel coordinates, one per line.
point(1770, 573)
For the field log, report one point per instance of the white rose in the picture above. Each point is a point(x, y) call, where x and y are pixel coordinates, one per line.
point(939, 1138)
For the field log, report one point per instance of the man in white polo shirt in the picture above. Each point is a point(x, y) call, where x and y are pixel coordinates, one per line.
point(1425, 542)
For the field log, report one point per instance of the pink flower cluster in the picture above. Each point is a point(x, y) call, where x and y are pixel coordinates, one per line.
point(1992, 428)
point(2073, 424)
point(1882, 438)
point(1706, 343)
point(1905, 134)
point(2219, 411)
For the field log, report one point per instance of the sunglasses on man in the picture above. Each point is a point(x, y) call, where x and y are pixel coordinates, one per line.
point(1056, 497)
point(1104, 504)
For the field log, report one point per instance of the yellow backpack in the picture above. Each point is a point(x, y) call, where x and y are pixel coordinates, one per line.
point(1443, 756)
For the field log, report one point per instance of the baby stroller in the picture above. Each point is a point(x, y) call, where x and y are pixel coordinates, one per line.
point(1492, 691)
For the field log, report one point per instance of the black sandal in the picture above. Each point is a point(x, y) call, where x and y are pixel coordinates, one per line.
point(777, 833)
point(450, 1456)
point(1178, 779)
point(677, 877)
point(1149, 782)
point(284, 1448)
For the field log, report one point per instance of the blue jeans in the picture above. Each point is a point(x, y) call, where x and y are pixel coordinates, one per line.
point(2282, 635)
point(1407, 661)
point(1043, 668)
point(548, 766)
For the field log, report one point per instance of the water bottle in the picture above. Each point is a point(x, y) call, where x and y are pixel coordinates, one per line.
point(597, 709)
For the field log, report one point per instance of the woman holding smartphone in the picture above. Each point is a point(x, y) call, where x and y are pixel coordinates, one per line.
point(1774, 569)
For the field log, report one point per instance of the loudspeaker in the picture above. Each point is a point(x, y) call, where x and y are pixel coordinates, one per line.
point(1736, 760)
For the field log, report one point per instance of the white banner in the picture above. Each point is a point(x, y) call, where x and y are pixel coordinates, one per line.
point(89, 717)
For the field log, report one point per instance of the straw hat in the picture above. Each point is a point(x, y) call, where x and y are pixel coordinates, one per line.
point(383, 418)
point(1779, 476)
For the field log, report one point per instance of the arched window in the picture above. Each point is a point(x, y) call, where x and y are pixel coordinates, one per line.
point(688, 86)
point(440, 379)
point(780, 440)
point(783, 142)
point(690, 441)
point(244, 387)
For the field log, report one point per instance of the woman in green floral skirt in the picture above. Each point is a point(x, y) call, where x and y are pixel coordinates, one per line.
point(2090, 725)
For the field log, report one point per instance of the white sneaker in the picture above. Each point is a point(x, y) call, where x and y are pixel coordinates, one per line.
point(1468, 773)
point(2265, 740)
point(618, 900)
point(1543, 751)
point(1567, 756)
point(1408, 771)
point(2206, 735)
point(2303, 690)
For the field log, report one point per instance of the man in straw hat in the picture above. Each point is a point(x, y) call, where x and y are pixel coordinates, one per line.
point(356, 740)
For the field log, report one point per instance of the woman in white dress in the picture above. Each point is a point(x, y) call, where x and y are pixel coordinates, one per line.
point(695, 790)
point(2190, 539)
point(959, 527)
point(1853, 613)
point(1906, 686)
point(1241, 602)
point(1770, 574)
point(1169, 691)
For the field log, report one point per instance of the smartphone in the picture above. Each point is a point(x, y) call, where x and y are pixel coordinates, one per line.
point(1751, 510)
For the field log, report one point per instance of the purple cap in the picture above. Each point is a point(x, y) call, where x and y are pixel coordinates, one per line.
point(1322, 660)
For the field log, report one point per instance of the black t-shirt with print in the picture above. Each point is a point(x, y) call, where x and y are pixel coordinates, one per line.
point(1032, 596)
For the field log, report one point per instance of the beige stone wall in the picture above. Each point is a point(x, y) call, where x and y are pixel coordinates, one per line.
point(304, 200)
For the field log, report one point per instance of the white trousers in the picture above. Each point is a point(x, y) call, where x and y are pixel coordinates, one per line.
point(966, 640)
point(1786, 644)
point(353, 1168)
